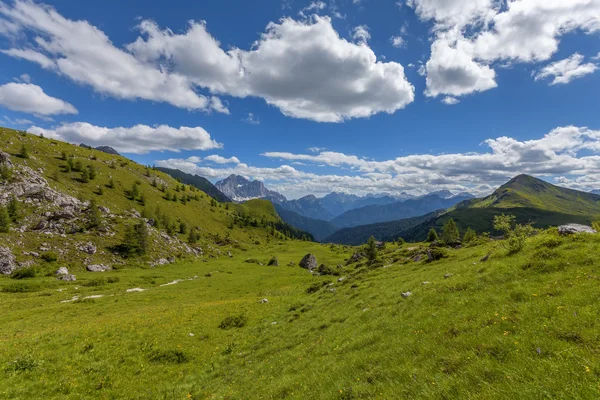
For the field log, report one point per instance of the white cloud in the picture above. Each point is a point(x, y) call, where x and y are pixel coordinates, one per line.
point(23, 78)
point(596, 57)
point(564, 71)
point(361, 34)
point(469, 36)
point(29, 98)
point(449, 100)
point(138, 139)
point(251, 119)
point(18, 121)
point(397, 41)
point(304, 67)
point(222, 160)
point(83, 53)
point(452, 71)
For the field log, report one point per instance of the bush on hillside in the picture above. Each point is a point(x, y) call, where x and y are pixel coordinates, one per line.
point(450, 233)
point(49, 256)
point(234, 321)
point(23, 273)
point(515, 235)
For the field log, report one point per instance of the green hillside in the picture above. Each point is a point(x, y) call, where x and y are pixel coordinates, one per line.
point(522, 326)
point(529, 192)
point(196, 181)
point(51, 180)
point(529, 199)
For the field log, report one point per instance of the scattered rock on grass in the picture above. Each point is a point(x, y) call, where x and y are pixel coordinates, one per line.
point(274, 262)
point(264, 301)
point(98, 268)
point(406, 294)
point(572, 229)
point(7, 261)
point(67, 278)
point(309, 262)
point(447, 276)
point(62, 271)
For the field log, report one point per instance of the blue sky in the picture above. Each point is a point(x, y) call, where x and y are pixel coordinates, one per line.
point(355, 96)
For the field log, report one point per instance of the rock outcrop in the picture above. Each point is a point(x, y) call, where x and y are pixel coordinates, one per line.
point(98, 268)
point(572, 229)
point(309, 262)
point(7, 261)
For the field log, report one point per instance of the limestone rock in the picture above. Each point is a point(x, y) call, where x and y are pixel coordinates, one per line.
point(572, 229)
point(62, 271)
point(7, 261)
point(274, 262)
point(67, 278)
point(88, 248)
point(406, 294)
point(98, 268)
point(309, 262)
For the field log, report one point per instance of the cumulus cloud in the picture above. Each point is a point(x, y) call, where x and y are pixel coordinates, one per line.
point(222, 160)
point(138, 139)
point(558, 153)
point(303, 67)
point(361, 34)
point(397, 41)
point(450, 101)
point(30, 98)
point(470, 36)
point(564, 71)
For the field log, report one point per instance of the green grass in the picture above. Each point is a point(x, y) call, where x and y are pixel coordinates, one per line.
point(214, 220)
point(523, 326)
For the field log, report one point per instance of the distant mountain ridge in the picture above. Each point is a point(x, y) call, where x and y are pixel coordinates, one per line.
point(529, 199)
point(196, 181)
point(396, 211)
point(240, 189)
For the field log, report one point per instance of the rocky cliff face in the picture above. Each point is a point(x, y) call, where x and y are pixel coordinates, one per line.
point(241, 189)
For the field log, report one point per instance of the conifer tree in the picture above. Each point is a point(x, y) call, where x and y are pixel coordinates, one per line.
point(13, 209)
point(4, 220)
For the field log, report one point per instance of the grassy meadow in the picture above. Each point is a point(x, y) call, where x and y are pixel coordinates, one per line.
point(522, 326)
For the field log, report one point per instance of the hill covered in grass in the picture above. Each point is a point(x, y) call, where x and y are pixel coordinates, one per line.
point(196, 181)
point(529, 199)
point(513, 326)
point(77, 207)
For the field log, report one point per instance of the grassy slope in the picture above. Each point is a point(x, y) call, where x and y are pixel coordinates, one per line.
point(529, 199)
point(45, 154)
point(523, 326)
point(197, 181)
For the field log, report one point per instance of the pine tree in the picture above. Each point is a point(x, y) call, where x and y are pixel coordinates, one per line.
point(182, 228)
point(78, 166)
point(154, 183)
point(142, 199)
point(432, 236)
point(24, 153)
point(469, 236)
point(91, 172)
point(70, 164)
point(141, 235)
point(4, 220)
point(450, 233)
point(135, 191)
point(94, 218)
point(111, 183)
point(13, 209)
point(85, 175)
point(193, 235)
point(371, 249)
point(63, 156)
point(130, 244)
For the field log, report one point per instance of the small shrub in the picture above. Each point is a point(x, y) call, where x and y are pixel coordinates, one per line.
point(315, 287)
point(21, 287)
point(23, 364)
point(327, 270)
point(113, 279)
point(234, 321)
point(23, 273)
point(49, 256)
point(95, 282)
point(432, 236)
point(436, 253)
point(168, 357)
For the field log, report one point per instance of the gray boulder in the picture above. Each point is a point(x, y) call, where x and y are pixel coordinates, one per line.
point(406, 294)
point(309, 262)
point(67, 278)
point(88, 248)
point(98, 268)
point(62, 271)
point(5, 159)
point(572, 229)
point(274, 262)
point(7, 261)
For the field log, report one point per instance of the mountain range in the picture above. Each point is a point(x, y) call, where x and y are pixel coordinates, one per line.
point(529, 199)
